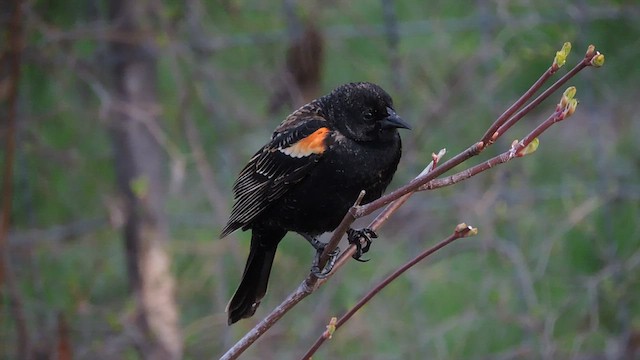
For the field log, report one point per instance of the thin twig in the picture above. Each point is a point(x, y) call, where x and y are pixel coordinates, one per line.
point(414, 184)
point(513, 152)
point(461, 231)
point(517, 149)
point(488, 135)
point(335, 238)
point(476, 148)
point(496, 160)
point(553, 88)
point(265, 324)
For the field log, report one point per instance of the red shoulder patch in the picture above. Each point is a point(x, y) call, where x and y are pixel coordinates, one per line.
point(312, 144)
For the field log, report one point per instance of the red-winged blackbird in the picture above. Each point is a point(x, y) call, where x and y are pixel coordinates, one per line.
point(308, 176)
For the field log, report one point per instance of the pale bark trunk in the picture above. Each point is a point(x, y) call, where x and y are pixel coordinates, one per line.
point(140, 169)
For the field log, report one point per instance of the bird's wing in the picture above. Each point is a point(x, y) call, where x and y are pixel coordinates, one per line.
point(296, 146)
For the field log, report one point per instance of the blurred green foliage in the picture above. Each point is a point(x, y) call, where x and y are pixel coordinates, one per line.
point(554, 272)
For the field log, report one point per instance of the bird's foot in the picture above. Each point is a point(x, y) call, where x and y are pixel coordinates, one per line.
point(319, 246)
point(356, 237)
point(315, 267)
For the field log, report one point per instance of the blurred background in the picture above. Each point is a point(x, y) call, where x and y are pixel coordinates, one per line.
point(132, 120)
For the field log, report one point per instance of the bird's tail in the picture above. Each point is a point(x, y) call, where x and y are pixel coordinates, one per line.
point(255, 278)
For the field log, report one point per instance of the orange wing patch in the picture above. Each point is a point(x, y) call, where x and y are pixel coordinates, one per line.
point(312, 144)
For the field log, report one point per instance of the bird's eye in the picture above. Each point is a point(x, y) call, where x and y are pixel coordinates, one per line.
point(368, 115)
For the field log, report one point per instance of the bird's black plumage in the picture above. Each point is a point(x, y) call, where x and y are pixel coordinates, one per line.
point(306, 178)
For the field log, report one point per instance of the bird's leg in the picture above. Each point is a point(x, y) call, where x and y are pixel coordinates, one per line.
point(355, 237)
point(319, 246)
point(313, 240)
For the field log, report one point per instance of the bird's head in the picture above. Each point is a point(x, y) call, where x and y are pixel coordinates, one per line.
point(363, 112)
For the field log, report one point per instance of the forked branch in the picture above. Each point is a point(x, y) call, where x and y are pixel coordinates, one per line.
point(461, 231)
point(429, 179)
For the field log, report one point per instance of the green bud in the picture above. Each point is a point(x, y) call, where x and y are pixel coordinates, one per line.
point(531, 148)
point(570, 93)
point(598, 60)
point(561, 56)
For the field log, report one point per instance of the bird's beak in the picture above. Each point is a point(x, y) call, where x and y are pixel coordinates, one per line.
point(394, 121)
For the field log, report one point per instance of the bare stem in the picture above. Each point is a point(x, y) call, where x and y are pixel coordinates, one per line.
point(553, 88)
point(461, 231)
point(414, 184)
point(488, 136)
point(336, 237)
point(424, 181)
point(494, 161)
point(249, 338)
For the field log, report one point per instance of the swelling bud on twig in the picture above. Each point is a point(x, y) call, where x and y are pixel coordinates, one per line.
point(561, 56)
point(568, 103)
point(568, 94)
point(593, 57)
point(597, 60)
point(463, 230)
point(529, 149)
point(331, 328)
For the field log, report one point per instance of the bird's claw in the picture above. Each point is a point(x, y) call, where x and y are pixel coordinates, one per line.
point(355, 237)
point(315, 268)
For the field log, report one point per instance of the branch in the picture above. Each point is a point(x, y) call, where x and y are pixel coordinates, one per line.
point(526, 146)
point(564, 109)
point(303, 290)
point(461, 231)
point(558, 61)
point(591, 58)
point(396, 198)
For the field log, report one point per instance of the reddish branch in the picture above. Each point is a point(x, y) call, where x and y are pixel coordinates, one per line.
point(558, 61)
point(553, 88)
point(515, 151)
point(429, 180)
point(461, 231)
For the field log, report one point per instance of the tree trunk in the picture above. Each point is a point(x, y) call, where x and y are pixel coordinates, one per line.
point(140, 170)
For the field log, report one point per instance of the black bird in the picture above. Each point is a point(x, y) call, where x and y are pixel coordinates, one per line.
point(308, 176)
